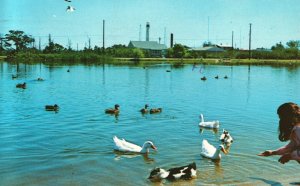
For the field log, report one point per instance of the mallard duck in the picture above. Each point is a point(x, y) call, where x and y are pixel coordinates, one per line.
point(14, 76)
point(52, 107)
point(225, 77)
point(203, 78)
point(217, 77)
point(226, 138)
point(145, 109)
point(168, 70)
point(124, 146)
point(184, 172)
point(68, 70)
point(212, 152)
point(208, 124)
point(155, 110)
point(21, 85)
point(113, 110)
point(40, 79)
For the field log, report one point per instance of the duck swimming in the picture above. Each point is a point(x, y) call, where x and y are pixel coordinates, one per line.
point(212, 152)
point(155, 110)
point(226, 138)
point(21, 85)
point(70, 9)
point(124, 146)
point(217, 77)
point(113, 110)
point(208, 124)
point(203, 78)
point(145, 109)
point(52, 107)
point(184, 172)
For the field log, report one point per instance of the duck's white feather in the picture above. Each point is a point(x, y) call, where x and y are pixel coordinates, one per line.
point(124, 146)
point(208, 124)
point(209, 151)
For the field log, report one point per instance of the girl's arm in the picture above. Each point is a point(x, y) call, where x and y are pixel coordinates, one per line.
point(283, 150)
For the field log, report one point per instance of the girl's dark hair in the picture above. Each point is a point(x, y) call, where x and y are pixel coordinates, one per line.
point(289, 115)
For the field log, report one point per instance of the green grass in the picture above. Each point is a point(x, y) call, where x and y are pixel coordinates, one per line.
point(92, 58)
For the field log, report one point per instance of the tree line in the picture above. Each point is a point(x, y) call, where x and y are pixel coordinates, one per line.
point(18, 43)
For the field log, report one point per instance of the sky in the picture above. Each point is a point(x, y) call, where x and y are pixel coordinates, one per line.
point(192, 22)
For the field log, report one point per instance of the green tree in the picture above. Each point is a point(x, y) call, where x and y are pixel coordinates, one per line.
point(53, 48)
point(206, 44)
point(19, 39)
point(278, 47)
point(293, 44)
point(137, 53)
point(179, 51)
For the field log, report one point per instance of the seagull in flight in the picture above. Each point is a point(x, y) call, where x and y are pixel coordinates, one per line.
point(70, 9)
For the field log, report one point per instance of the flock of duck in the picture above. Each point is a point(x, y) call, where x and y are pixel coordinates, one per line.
point(183, 172)
point(216, 77)
point(144, 110)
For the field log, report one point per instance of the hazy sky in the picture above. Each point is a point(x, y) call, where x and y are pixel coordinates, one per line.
point(191, 21)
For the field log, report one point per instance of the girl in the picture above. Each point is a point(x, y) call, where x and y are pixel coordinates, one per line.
point(289, 129)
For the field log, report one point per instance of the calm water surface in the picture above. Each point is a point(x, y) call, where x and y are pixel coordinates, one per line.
point(74, 146)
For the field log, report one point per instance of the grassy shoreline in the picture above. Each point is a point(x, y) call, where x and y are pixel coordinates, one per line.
point(95, 59)
point(210, 61)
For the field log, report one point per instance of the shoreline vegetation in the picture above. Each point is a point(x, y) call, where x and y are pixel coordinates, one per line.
point(18, 47)
point(100, 59)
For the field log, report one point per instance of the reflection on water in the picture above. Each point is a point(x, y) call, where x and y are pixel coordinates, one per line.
point(75, 145)
point(121, 155)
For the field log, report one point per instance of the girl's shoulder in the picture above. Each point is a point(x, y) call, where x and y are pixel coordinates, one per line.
point(296, 130)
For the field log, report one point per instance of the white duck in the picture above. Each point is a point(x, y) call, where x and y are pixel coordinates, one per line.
point(208, 124)
point(212, 152)
point(226, 138)
point(124, 146)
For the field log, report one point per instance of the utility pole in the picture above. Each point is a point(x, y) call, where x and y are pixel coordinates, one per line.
point(165, 36)
point(40, 44)
point(232, 40)
point(208, 29)
point(250, 42)
point(77, 47)
point(103, 47)
point(49, 40)
point(90, 43)
point(69, 44)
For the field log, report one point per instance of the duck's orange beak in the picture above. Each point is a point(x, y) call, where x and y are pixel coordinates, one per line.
point(153, 147)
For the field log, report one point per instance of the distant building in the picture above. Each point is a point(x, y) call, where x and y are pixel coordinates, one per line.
point(152, 47)
point(263, 50)
point(207, 49)
point(225, 47)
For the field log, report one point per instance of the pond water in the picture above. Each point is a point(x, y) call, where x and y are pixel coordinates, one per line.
point(74, 146)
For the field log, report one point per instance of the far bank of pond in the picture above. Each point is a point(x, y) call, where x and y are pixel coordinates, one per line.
point(99, 59)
